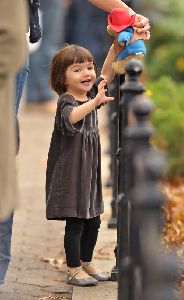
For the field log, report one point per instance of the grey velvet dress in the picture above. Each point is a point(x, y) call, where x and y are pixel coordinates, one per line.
point(73, 177)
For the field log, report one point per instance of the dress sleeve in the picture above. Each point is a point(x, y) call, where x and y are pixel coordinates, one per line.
point(67, 104)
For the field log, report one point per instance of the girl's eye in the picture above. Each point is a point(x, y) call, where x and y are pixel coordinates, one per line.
point(91, 68)
point(77, 70)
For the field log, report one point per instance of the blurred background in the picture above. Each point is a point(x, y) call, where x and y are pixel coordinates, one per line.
point(79, 22)
point(163, 63)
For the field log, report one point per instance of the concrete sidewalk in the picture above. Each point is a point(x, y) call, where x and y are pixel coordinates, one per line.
point(33, 272)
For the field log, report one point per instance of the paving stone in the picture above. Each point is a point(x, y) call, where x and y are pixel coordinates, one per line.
point(106, 291)
point(34, 237)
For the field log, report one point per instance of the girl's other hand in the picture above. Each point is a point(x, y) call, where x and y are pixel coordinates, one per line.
point(101, 97)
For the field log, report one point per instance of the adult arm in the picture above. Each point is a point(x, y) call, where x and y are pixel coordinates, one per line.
point(107, 5)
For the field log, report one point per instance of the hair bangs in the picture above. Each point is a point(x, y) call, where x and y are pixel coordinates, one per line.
point(82, 55)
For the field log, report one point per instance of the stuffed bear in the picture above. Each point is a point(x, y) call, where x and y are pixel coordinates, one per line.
point(127, 42)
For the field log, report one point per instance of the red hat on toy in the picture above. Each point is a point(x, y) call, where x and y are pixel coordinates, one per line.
point(119, 19)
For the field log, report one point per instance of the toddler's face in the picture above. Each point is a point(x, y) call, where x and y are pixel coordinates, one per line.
point(80, 77)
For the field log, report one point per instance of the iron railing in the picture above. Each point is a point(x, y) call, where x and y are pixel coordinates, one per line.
point(142, 270)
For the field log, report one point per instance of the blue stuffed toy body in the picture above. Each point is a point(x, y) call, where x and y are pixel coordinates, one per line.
point(128, 43)
point(136, 48)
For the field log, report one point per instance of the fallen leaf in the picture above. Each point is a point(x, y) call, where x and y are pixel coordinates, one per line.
point(173, 211)
point(54, 262)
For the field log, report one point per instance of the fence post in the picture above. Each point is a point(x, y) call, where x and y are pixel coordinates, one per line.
point(130, 90)
point(115, 139)
point(115, 148)
point(141, 274)
point(137, 135)
point(158, 270)
point(114, 128)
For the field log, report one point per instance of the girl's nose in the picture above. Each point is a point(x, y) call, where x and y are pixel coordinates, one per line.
point(86, 72)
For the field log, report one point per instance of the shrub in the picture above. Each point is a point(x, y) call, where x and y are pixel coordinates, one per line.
point(168, 120)
point(166, 59)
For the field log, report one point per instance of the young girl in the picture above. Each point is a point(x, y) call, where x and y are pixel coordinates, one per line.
point(73, 178)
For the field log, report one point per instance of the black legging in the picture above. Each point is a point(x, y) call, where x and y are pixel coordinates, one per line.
point(80, 239)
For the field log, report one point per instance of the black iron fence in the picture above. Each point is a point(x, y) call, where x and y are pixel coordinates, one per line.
point(142, 270)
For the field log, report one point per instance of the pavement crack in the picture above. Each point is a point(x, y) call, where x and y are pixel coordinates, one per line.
point(22, 294)
point(32, 284)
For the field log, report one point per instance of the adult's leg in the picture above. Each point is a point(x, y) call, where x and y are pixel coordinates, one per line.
point(73, 232)
point(6, 226)
point(89, 238)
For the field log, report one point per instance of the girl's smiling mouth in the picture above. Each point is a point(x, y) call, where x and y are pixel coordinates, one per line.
point(86, 81)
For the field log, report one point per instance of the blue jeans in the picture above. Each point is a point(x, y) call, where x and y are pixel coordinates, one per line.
point(52, 37)
point(6, 226)
point(5, 245)
point(19, 84)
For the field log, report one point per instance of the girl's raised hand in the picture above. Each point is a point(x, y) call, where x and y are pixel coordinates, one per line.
point(101, 97)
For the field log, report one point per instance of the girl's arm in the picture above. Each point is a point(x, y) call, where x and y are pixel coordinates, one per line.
point(79, 112)
point(142, 23)
point(107, 72)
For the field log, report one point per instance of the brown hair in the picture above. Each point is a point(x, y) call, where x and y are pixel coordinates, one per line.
point(64, 58)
